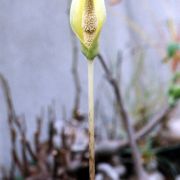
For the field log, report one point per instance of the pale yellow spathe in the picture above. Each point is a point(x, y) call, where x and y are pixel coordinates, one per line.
point(77, 11)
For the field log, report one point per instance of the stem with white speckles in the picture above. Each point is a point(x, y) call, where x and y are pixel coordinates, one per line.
point(91, 119)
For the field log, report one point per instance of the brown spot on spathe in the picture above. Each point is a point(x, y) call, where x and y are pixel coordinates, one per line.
point(89, 23)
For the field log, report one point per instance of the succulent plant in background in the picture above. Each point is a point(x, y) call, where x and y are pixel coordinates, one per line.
point(173, 52)
point(87, 18)
point(174, 90)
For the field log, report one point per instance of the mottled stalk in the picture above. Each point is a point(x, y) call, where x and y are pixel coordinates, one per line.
point(91, 119)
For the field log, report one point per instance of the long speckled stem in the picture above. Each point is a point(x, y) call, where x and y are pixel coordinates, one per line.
point(91, 119)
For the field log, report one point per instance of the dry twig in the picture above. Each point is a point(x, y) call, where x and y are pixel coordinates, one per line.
point(126, 121)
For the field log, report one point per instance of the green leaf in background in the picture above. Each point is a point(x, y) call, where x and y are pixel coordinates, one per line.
point(172, 48)
point(174, 89)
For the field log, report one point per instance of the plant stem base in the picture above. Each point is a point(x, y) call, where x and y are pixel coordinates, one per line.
point(91, 119)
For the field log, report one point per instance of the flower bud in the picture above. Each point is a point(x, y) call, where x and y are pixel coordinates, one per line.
point(87, 18)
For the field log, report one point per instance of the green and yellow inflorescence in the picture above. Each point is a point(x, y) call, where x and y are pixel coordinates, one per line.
point(87, 18)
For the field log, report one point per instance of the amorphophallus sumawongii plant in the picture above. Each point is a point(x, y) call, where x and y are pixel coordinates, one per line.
point(87, 18)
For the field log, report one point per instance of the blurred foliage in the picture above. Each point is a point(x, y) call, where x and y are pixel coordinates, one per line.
point(172, 49)
point(174, 90)
point(143, 95)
